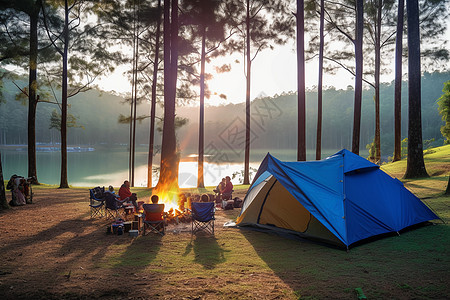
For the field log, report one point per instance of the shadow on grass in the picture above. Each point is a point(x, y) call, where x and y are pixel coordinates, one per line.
point(432, 190)
point(207, 251)
point(140, 253)
point(379, 267)
point(67, 242)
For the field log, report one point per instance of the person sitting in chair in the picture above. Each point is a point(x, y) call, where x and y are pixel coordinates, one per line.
point(126, 196)
point(154, 199)
point(228, 190)
point(220, 187)
point(154, 216)
point(124, 191)
point(204, 198)
point(19, 192)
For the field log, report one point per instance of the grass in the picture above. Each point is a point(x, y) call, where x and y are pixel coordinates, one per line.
point(437, 163)
point(243, 264)
point(382, 268)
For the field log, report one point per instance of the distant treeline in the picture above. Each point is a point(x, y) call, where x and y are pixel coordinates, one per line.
point(274, 120)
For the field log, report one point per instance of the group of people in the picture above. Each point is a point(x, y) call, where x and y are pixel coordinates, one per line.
point(21, 191)
point(125, 196)
point(224, 188)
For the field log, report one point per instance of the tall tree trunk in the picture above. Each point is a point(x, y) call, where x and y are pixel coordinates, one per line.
point(320, 84)
point(301, 131)
point(134, 91)
point(447, 191)
point(247, 101)
point(398, 83)
point(168, 177)
point(130, 142)
point(358, 77)
point(133, 153)
point(153, 108)
point(63, 181)
point(201, 138)
point(3, 201)
point(130, 154)
point(377, 81)
point(415, 166)
point(32, 87)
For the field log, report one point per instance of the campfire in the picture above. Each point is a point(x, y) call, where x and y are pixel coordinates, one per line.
point(175, 216)
point(176, 206)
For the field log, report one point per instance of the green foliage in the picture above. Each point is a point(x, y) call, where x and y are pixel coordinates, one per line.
point(371, 147)
point(404, 150)
point(444, 111)
point(55, 121)
point(271, 22)
point(404, 147)
point(179, 123)
point(428, 143)
point(240, 174)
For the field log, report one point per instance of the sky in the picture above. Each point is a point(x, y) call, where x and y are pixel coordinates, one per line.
point(273, 72)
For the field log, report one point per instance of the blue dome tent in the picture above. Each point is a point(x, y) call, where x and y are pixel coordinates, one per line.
point(341, 200)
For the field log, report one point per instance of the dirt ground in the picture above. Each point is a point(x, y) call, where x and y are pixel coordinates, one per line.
point(52, 249)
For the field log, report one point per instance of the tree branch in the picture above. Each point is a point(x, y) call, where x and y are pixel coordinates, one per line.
point(257, 51)
point(340, 4)
point(388, 41)
point(48, 31)
point(348, 69)
point(52, 89)
point(20, 89)
point(336, 26)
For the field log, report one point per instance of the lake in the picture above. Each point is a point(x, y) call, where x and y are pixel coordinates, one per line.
point(103, 165)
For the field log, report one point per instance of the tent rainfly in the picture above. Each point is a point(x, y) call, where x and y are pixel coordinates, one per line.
point(340, 200)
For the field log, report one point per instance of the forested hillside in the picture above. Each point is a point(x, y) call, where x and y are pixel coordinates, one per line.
point(274, 120)
point(97, 117)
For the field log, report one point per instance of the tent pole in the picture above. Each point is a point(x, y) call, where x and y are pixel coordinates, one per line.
point(264, 202)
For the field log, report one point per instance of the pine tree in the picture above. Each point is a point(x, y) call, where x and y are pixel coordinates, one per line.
point(260, 24)
point(320, 83)
point(398, 82)
point(415, 167)
point(301, 98)
point(32, 10)
point(207, 22)
point(344, 24)
point(153, 101)
point(83, 64)
point(168, 177)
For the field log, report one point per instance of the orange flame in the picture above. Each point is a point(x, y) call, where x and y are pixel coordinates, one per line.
point(168, 196)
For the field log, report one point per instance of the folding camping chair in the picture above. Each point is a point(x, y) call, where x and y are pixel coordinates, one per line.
point(113, 207)
point(96, 203)
point(154, 218)
point(203, 217)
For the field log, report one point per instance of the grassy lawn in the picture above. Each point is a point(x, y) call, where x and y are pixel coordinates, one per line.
point(70, 256)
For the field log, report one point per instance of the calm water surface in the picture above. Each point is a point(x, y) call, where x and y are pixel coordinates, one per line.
point(109, 166)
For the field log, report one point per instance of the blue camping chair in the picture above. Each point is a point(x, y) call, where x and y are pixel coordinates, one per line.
point(97, 202)
point(113, 207)
point(203, 216)
point(154, 218)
